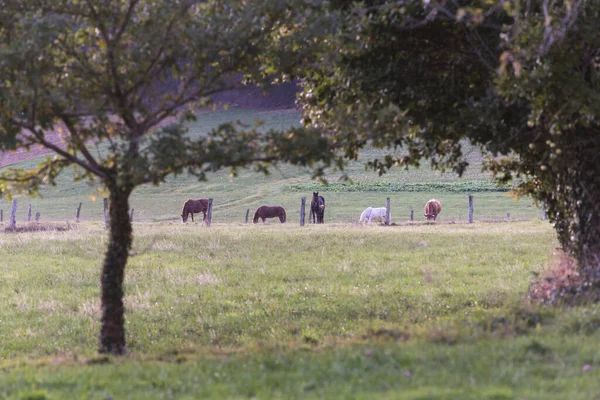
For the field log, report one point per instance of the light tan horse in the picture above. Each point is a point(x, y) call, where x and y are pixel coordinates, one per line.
point(432, 209)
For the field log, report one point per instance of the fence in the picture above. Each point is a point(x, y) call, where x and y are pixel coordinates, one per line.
point(79, 214)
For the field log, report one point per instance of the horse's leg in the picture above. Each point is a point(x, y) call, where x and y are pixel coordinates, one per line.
point(192, 217)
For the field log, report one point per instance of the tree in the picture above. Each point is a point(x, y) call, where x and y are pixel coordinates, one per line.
point(109, 76)
point(520, 79)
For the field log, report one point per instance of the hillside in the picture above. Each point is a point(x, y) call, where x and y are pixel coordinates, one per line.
point(234, 196)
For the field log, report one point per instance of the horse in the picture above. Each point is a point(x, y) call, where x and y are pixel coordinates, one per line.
point(264, 212)
point(194, 206)
point(317, 209)
point(371, 213)
point(432, 209)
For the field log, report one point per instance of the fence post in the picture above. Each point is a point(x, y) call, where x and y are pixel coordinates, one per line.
point(29, 214)
point(470, 209)
point(247, 212)
point(209, 212)
point(37, 216)
point(302, 210)
point(544, 215)
point(1, 215)
point(105, 201)
point(387, 211)
point(412, 215)
point(131, 216)
point(77, 214)
point(13, 216)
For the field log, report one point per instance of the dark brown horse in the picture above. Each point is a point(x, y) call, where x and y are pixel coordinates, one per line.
point(194, 206)
point(264, 212)
point(317, 209)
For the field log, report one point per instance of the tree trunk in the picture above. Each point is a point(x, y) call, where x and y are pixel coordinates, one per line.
point(112, 333)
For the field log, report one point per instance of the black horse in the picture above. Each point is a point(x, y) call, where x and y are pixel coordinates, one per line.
point(317, 208)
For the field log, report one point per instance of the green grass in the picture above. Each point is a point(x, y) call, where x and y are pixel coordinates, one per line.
point(279, 311)
point(287, 184)
point(459, 186)
point(410, 311)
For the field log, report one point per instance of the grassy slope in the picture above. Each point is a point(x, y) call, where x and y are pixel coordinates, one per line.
point(233, 196)
point(231, 314)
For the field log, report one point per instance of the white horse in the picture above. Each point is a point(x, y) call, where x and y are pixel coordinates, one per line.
point(371, 213)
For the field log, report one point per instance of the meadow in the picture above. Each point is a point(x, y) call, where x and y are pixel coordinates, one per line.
point(425, 311)
point(409, 311)
point(407, 189)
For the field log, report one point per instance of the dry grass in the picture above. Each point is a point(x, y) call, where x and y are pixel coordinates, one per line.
point(39, 227)
point(563, 283)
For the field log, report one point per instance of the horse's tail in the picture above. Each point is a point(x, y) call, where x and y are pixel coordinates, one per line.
point(365, 214)
point(256, 215)
point(283, 216)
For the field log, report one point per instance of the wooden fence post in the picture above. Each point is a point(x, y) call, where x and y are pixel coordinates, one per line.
point(37, 216)
point(77, 214)
point(209, 212)
point(105, 201)
point(29, 214)
point(387, 211)
point(13, 216)
point(412, 215)
point(1, 215)
point(131, 216)
point(302, 210)
point(247, 212)
point(470, 209)
point(544, 215)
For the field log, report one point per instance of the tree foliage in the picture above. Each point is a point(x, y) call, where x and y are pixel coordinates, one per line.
point(118, 80)
point(518, 78)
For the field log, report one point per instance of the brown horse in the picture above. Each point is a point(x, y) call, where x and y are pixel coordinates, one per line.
point(264, 212)
point(317, 209)
point(432, 209)
point(194, 206)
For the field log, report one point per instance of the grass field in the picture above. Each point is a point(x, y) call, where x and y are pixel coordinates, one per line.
point(334, 311)
point(279, 311)
point(286, 185)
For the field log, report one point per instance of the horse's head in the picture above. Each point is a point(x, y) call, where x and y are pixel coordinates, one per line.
point(184, 218)
point(315, 195)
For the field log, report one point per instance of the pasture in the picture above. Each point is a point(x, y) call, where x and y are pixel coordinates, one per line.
point(286, 185)
point(279, 311)
point(340, 310)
